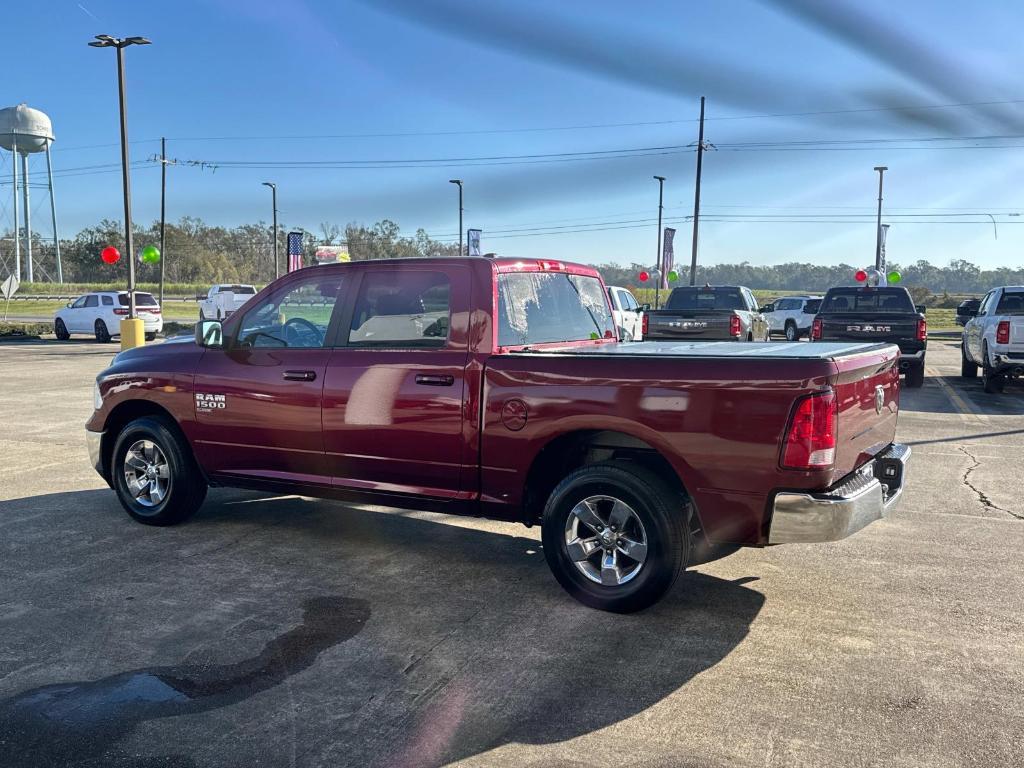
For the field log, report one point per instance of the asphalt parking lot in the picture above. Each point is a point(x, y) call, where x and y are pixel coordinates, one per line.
point(284, 631)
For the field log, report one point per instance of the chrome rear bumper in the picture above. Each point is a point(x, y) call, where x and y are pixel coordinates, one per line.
point(869, 494)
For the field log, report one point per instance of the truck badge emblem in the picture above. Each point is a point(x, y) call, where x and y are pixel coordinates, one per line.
point(879, 398)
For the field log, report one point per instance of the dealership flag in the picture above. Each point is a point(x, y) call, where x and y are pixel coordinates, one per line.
point(474, 241)
point(667, 256)
point(294, 251)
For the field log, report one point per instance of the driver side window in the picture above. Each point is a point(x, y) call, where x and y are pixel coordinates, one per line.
point(296, 316)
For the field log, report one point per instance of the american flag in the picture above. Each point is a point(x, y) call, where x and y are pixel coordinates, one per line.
point(294, 251)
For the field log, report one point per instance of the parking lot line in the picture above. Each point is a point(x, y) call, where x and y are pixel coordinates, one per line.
point(958, 402)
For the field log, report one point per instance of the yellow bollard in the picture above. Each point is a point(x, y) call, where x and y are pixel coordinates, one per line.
point(133, 333)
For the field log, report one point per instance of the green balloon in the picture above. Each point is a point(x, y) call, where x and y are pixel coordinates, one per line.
point(673, 276)
point(894, 277)
point(151, 254)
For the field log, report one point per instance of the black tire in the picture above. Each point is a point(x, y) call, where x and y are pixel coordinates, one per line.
point(750, 336)
point(102, 334)
point(792, 332)
point(60, 330)
point(992, 381)
point(968, 368)
point(186, 488)
point(202, 316)
point(151, 336)
point(663, 513)
point(914, 377)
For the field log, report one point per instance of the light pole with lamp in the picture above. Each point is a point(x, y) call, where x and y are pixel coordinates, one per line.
point(273, 202)
point(132, 329)
point(661, 207)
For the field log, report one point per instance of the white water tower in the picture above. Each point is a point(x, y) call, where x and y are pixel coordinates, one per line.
point(25, 131)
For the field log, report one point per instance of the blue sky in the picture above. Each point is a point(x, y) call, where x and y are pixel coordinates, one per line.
point(304, 81)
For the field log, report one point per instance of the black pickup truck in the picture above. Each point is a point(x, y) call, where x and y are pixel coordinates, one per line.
point(881, 315)
point(708, 313)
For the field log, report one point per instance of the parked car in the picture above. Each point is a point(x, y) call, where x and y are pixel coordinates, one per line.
point(626, 313)
point(224, 299)
point(100, 314)
point(496, 387)
point(994, 338)
point(708, 313)
point(792, 315)
point(882, 315)
point(967, 309)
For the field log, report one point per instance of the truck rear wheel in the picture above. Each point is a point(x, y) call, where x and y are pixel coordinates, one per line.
point(615, 536)
point(154, 474)
point(992, 381)
point(968, 368)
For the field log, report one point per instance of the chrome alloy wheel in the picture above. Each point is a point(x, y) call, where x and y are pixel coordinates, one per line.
point(146, 473)
point(606, 540)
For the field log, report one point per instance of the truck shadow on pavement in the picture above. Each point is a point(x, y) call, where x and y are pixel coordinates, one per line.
point(470, 644)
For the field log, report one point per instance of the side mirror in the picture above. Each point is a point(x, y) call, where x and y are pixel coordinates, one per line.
point(921, 308)
point(68, 305)
point(210, 334)
point(645, 307)
point(768, 308)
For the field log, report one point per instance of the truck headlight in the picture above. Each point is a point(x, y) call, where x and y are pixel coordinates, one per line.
point(97, 398)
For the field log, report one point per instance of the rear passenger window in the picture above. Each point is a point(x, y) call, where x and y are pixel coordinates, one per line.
point(108, 301)
point(402, 309)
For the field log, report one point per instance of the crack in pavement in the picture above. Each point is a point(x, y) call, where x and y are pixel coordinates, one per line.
point(982, 496)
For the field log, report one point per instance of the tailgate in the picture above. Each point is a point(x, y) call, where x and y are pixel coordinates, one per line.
point(868, 395)
point(869, 328)
point(1017, 332)
point(669, 324)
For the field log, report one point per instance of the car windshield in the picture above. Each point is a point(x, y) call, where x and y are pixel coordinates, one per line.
point(141, 300)
point(867, 300)
point(1011, 303)
point(545, 307)
point(705, 298)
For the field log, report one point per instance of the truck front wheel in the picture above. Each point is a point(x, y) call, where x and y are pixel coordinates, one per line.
point(154, 474)
point(615, 536)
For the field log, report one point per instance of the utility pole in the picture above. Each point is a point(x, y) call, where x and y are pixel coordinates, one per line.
point(878, 229)
point(53, 214)
point(696, 196)
point(163, 212)
point(657, 256)
point(459, 182)
point(273, 199)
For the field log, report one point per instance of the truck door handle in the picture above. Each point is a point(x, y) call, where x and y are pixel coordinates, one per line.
point(434, 380)
point(300, 375)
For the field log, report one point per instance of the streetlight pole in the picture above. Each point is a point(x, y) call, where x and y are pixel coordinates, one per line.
point(163, 213)
point(878, 227)
point(696, 197)
point(273, 202)
point(106, 41)
point(657, 255)
point(459, 182)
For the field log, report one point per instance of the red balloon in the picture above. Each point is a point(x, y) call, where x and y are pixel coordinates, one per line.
point(644, 277)
point(110, 254)
point(860, 276)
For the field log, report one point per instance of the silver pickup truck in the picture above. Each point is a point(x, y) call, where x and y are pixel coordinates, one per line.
point(708, 313)
point(994, 338)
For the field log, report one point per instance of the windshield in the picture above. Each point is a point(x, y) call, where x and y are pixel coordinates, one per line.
point(141, 300)
point(868, 300)
point(1012, 303)
point(705, 298)
point(545, 307)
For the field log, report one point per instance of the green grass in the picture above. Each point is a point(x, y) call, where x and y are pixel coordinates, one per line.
point(173, 310)
point(76, 289)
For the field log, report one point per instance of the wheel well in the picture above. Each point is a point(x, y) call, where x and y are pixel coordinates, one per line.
point(129, 411)
point(571, 451)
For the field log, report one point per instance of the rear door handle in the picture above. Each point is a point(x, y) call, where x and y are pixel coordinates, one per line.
point(300, 375)
point(434, 380)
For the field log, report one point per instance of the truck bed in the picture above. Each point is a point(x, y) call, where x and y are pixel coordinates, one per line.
point(830, 351)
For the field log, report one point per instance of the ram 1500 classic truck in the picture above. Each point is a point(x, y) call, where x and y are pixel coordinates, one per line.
point(496, 387)
point(707, 313)
point(876, 314)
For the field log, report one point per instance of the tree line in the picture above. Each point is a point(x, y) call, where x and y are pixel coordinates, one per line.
point(197, 252)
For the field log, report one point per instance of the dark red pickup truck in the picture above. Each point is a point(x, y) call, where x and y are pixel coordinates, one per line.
point(496, 387)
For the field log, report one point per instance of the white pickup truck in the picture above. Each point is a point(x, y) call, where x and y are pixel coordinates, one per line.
point(223, 299)
point(994, 338)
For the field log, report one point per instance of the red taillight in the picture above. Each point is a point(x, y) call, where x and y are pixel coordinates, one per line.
point(811, 437)
point(645, 322)
point(922, 330)
point(120, 311)
point(734, 325)
point(152, 310)
point(816, 329)
point(1003, 332)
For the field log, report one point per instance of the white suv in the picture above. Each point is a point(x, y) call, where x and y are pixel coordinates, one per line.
point(100, 314)
point(792, 315)
point(994, 338)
